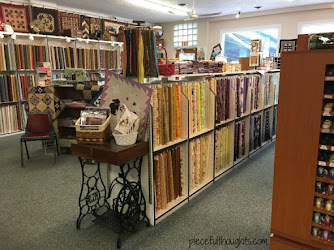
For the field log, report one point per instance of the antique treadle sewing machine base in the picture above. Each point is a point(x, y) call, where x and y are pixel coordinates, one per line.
point(128, 208)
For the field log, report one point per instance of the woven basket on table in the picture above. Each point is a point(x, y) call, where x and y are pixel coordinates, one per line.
point(93, 134)
point(166, 69)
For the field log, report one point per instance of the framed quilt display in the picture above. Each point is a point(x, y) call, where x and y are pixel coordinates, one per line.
point(254, 60)
point(67, 21)
point(111, 27)
point(85, 26)
point(287, 45)
point(136, 96)
point(16, 16)
point(256, 45)
point(43, 99)
point(48, 19)
point(95, 28)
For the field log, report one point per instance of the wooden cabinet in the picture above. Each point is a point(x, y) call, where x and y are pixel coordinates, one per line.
point(297, 145)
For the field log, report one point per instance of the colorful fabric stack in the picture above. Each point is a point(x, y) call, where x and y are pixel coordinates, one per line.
point(254, 82)
point(28, 55)
point(25, 82)
point(88, 58)
point(266, 126)
point(222, 153)
point(167, 177)
point(242, 86)
point(109, 59)
point(61, 57)
point(12, 119)
point(8, 88)
point(255, 130)
point(199, 161)
point(224, 98)
point(166, 114)
point(6, 60)
point(239, 140)
point(199, 109)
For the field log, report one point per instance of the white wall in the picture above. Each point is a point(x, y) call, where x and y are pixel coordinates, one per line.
point(209, 29)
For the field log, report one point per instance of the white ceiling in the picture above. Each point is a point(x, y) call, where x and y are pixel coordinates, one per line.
point(123, 8)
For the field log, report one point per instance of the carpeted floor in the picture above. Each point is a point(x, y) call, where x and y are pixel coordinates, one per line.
point(39, 207)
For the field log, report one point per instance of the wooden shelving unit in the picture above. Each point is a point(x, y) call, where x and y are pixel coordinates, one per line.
point(297, 148)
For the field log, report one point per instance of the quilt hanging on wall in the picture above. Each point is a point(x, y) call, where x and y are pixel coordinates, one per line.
point(16, 16)
point(135, 96)
point(68, 21)
point(43, 100)
point(48, 20)
point(85, 26)
point(95, 28)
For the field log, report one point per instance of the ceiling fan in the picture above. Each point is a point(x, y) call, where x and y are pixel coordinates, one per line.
point(193, 14)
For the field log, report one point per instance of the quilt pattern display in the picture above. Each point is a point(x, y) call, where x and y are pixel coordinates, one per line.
point(17, 16)
point(68, 21)
point(43, 99)
point(48, 18)
point(95, 27)
point(85, 26)
point(89, 93)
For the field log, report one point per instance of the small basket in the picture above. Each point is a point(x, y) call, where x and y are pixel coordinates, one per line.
point(166, 69)
point(126, 139)
point(93, 134)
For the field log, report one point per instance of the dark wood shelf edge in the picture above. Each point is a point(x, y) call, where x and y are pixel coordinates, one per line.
point(331, 229)
point(328, 243)
point(323, 211)
point(327, 180)
point(325, 196)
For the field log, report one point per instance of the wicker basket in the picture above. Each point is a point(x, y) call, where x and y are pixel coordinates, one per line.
point(166, 69)
point(126, 139)
point(93, 134)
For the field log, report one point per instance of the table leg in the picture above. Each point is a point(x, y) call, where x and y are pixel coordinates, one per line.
point(93, 192)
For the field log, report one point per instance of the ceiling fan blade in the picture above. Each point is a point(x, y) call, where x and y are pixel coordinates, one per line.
point(211, 14)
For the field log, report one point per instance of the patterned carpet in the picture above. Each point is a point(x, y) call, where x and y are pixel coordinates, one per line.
point(39, 206)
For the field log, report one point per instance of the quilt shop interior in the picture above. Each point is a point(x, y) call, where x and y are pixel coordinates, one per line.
point(202, 92)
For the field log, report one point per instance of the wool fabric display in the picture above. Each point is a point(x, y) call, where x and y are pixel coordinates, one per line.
point(28, 55)
point(25, 82)
point(6, 60)
point(61, 57)
point(11, 119)
point(8, 88)
point(87, 58)
point(109, 59)
point(199, 161)
point(139, 53)
point(239, 140)
point(166, 114)
point(222, 151)
point(168, 177)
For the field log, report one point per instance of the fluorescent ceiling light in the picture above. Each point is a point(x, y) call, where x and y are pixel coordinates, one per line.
point(161, 6)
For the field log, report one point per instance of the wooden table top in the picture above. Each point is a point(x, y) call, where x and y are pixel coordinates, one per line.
point(110, 153)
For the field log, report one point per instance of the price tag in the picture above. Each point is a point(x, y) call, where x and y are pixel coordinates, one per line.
point(325, 130)
point(324, 147)
point(322, 163)
point(328, 96)
point(326, 114)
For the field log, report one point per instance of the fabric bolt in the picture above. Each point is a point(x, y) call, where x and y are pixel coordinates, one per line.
point(141, 72)
point(48, 18)
point(16, 16)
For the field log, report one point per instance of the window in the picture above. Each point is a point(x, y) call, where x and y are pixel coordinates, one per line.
point(316, 27)
point(185, 35)
point(237, 43)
